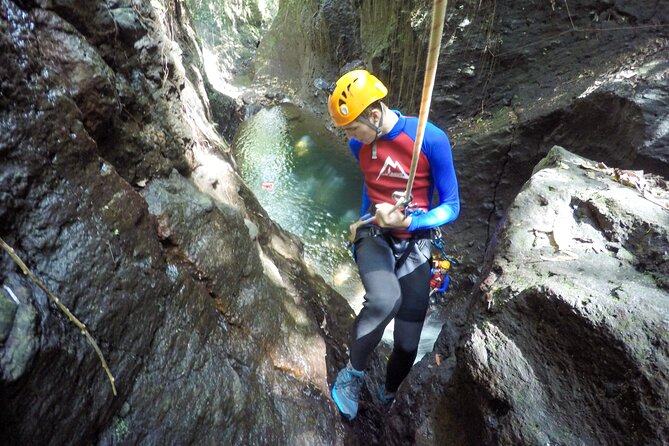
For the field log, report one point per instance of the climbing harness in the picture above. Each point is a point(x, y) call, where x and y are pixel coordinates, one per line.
point(375, 231)
point(440, 262)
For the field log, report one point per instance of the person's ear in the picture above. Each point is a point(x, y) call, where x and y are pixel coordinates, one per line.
point(376, 116)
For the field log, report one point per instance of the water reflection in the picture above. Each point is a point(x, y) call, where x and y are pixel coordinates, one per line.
point(308, 181)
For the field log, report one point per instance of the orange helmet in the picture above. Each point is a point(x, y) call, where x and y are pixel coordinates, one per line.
point(354, 92)
point(441, 264)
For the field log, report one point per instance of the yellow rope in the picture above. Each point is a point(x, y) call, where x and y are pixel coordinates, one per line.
point(438, 18)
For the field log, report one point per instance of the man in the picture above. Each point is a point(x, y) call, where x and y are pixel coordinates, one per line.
point(393, 254)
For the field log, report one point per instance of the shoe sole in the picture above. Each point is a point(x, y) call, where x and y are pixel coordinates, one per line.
point(339, 405)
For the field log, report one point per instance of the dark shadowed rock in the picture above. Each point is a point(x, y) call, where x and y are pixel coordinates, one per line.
point(215, 330)
point(77, 70)
point(130, 28)
point(225, 112)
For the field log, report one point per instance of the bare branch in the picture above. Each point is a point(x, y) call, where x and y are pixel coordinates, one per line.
point(62, 308)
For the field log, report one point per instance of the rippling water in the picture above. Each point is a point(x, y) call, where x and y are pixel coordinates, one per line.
point(309, 182)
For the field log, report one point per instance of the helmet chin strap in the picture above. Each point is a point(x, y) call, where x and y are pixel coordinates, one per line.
point(370, 124)
point(378, 129)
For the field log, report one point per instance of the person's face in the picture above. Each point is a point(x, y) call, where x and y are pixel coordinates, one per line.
point(361, 131)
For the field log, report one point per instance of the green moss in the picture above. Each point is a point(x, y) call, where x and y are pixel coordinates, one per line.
point(7, 312)
point(520, 397)
point(120, 429)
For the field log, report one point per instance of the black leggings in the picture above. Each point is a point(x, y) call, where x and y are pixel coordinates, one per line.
point(402, 294)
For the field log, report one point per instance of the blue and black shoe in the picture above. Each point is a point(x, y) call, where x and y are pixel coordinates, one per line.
point(386, 398)
point(346, 391)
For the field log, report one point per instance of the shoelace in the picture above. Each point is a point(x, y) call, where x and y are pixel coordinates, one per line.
point(353, 384)
point(386, 398)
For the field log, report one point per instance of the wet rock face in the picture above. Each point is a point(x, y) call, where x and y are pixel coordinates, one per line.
point(540, 57)
point(178, 203)
point(214, 329)
point(513, 81)
point(574, 349)
point(394, 39)
point(100, 56)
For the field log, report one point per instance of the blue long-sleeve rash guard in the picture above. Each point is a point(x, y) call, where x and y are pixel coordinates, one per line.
point(438, 171)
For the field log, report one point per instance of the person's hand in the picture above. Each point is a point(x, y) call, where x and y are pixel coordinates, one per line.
point(353, 228)
point(386, 217)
